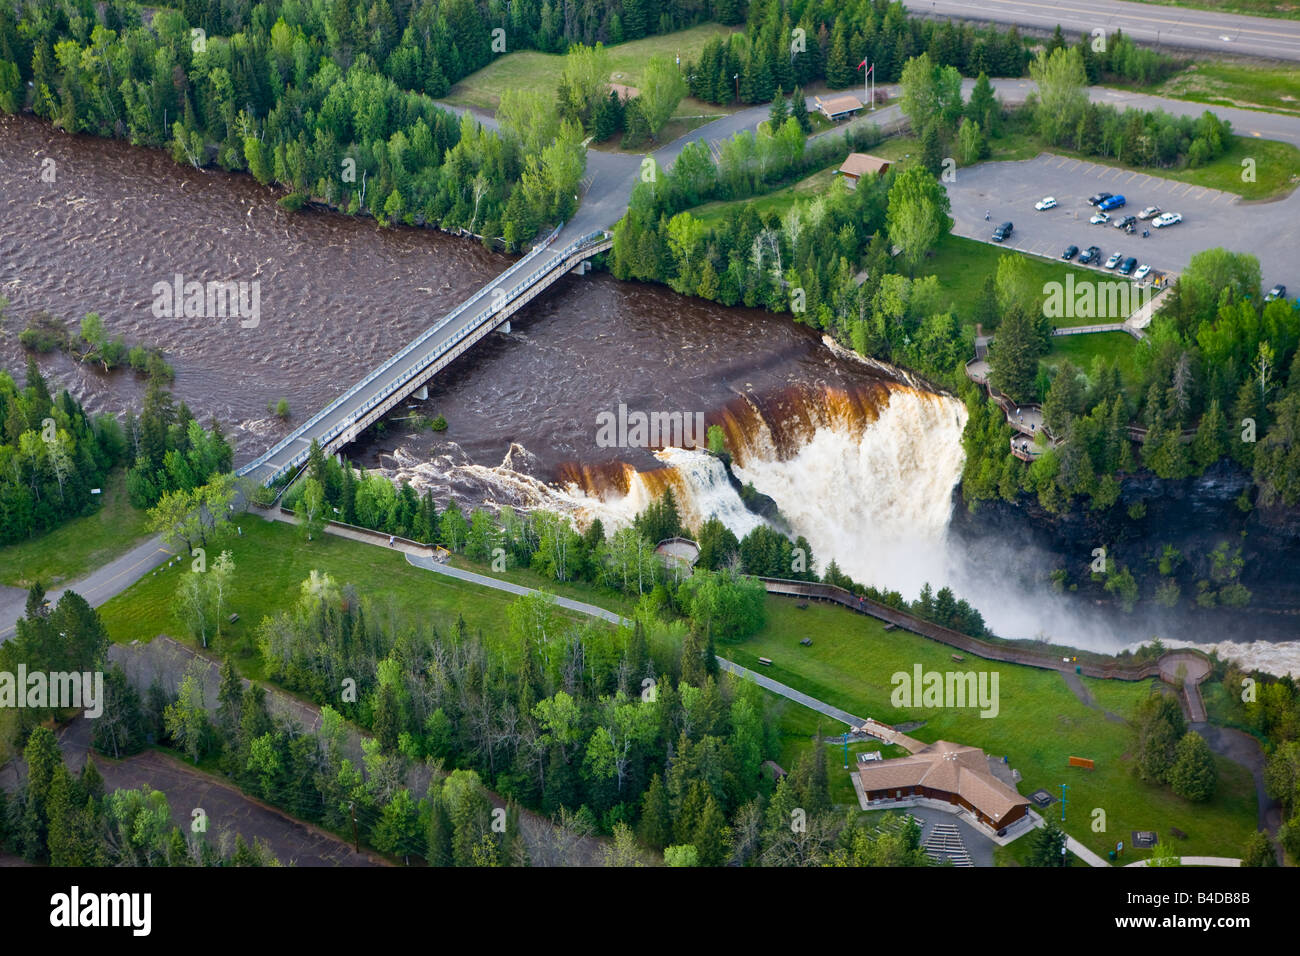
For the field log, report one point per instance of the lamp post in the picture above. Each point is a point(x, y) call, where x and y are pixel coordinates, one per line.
point(1064, 787)
point(736, 77)
point(846, 750)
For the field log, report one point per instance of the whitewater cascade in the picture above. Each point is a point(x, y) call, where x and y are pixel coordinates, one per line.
point(866, 477)
point(874, 495)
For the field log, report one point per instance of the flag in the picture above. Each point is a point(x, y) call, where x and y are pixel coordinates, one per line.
point(869, 69)
point(862, 64)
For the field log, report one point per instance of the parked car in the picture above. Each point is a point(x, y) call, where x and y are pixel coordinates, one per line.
point(1142, 272)
point(1128, 265)
point(1125, 222)
point(1112, 202)
point(1048, 203)
point(1277, 292)
point(1114, 260)
point(1098, 199)
point(1149, 213)
point(1002, 232)
point(1166, 219)
point(1070, 252)
point(1098, 218)
point(1091, 254)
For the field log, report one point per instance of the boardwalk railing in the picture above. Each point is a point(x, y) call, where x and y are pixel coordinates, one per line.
point(1031, 657)
point(555, 262)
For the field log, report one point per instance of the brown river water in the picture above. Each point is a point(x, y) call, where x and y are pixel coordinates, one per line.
point(339, 295)
point(859, 459)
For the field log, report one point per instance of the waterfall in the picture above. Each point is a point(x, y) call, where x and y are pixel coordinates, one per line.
point(874, 495)
point(867, 477)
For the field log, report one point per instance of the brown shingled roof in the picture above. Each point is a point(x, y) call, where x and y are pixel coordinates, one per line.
point(838, 104)
point(860, 164)
point(952, 768)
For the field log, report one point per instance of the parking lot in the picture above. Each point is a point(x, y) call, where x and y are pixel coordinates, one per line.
point(1008, 191)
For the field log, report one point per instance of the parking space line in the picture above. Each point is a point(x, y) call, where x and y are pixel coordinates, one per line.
point(1202, 194)
point(1133, 177)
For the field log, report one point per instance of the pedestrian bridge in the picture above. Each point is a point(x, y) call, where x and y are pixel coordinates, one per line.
point(342, 420)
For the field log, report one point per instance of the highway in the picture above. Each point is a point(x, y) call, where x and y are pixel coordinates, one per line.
point(1199, 30)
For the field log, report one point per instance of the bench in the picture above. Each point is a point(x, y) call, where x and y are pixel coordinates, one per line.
point(234, 618)
point(766, 661)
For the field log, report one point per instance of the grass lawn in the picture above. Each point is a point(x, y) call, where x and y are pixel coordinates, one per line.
point(674, 129)
point(588, 593)
point(1227, 83)
point(963, 264)
point(1284, 10)
point(79, 546)
point(1276, 166)
point(1039, 725)
point(528, 69)
point(1082, 349)
point(778, 201)
point(1016, 853)
point(271, 562)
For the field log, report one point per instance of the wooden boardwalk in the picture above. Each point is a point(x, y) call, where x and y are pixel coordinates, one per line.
point(1049, 659)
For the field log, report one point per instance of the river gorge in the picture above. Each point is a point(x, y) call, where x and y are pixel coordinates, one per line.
point(860, 458)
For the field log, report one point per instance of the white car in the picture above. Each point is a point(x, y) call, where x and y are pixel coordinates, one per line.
point(1114, 260)
point(1149, 213)
point(1166, 219)
point(1048, 203)
point(1098, 218)
point(1142, 272)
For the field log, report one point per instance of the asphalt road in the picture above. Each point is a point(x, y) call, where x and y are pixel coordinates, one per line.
point(1200, 30)
point(96, 587)
point(1008, 191)
point(1253, 123)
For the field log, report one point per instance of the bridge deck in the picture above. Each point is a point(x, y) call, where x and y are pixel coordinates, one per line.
point(343, 419)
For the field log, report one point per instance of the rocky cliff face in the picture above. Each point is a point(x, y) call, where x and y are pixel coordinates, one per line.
point(1194, 515)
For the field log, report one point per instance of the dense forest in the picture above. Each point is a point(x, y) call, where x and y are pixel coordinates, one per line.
point(720, 597)
point(788, 45)
point(332, 101)
point(632, 731)
point(52, 454)
point(67, 819)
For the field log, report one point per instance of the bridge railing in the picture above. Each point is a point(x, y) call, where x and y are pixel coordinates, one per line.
point(375, 373)
point(426, 358)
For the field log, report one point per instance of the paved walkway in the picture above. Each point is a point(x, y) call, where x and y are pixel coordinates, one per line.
point(1194, 670)
point(1197, 861)
point(1241, 748)
point(488, 582)
point(1077, 848)
point(762, 680)
point(789, 693)
point(1075, 683)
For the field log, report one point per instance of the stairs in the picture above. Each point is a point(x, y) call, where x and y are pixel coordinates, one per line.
point(944, 843)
